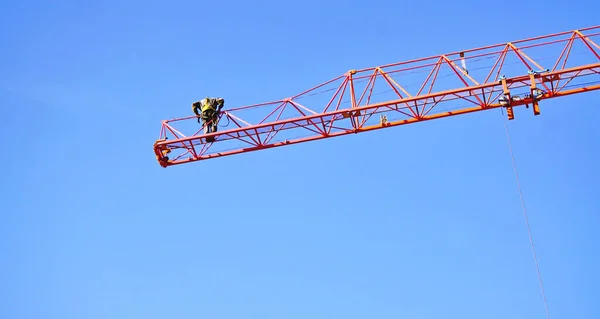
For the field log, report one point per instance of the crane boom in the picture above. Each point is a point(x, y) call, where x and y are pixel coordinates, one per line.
point(508, 75)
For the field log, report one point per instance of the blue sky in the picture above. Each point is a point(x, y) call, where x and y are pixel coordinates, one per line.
point(420, 221)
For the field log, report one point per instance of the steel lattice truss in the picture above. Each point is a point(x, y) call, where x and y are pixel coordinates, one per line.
point(518, 73)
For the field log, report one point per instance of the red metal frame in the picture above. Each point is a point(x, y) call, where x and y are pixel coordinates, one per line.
point(489, 77)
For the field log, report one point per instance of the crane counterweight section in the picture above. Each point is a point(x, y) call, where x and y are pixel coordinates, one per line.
point(518, 73)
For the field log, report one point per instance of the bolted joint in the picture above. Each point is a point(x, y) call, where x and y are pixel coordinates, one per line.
point(538, 72)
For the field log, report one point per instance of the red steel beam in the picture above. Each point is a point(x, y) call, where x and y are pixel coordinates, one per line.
point(562, 61)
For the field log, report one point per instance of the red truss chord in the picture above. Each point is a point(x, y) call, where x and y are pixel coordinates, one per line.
point(508, 75)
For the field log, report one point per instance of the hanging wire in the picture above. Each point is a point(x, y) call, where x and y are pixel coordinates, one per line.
point(539, 274)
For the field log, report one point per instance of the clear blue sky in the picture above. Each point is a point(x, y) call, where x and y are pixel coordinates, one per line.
point(421, 221)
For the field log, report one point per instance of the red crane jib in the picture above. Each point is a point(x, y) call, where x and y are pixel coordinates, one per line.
point(508, 75)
